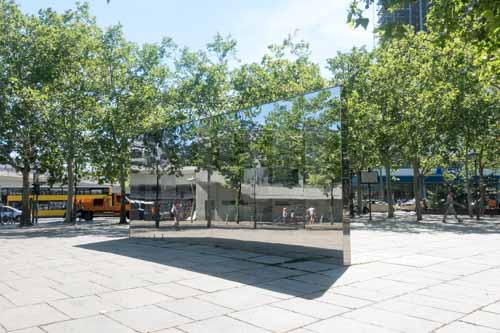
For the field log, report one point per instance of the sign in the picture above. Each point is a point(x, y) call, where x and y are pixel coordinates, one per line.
point(369, 177)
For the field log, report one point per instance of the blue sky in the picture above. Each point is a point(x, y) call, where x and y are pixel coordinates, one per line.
point(254, 23)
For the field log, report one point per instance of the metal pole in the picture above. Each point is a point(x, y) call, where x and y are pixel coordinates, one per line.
point(370, 200)
point(255, 197)
point(157, 201)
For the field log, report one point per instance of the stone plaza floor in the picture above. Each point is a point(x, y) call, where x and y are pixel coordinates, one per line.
point(406, 277)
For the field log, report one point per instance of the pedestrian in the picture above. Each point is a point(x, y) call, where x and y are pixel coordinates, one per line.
point(450, 206)
point(175, 211)
point(284, 215)
point(311, 213)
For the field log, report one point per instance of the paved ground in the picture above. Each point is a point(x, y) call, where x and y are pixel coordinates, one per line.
point(406, 277)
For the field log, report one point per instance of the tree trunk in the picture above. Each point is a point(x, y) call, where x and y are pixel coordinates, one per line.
point(123, 209)
point(388, 186)
point(359, 190)
point(332, 211)
point(157, 199)
point(238, 198)
point(482, 190)
point(25, 205)
point(209, 201)
point(70, 198)
point(467, 186)
point(416, 188)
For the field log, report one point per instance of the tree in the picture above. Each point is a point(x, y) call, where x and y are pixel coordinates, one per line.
point(28, 59)
point(133, 83)
point(73, 98)
point(413, 67)
point(351, 71)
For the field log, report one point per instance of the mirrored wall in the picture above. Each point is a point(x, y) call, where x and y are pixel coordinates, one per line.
point(276, 166)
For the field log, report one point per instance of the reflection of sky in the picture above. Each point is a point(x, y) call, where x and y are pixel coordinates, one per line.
point(261, 112)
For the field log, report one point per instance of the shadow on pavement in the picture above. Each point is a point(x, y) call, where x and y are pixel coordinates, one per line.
point(58, 229)
point(239, 261)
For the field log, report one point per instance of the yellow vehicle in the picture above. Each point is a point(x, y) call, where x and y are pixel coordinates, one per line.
point(90, 200)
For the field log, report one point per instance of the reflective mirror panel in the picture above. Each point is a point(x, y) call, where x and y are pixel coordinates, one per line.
point(271, 174)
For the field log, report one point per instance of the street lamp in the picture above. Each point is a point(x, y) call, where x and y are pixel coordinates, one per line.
point(36, 191)
point(157, 201)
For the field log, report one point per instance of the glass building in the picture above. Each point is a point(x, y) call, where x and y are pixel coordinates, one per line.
point(275, 167)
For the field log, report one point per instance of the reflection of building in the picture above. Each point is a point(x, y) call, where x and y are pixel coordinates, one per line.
point(402, 182)
point(412, 13)
point(270, 199)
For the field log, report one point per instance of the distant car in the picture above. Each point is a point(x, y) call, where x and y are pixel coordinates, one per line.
point(9, 214)
point(408, 206)
point(378, 206)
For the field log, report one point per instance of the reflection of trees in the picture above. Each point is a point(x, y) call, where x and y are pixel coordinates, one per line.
point(298, 142)
point(236, 154)
point(163, 155)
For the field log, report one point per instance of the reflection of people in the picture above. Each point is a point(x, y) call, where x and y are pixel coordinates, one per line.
point(284, 215)
point(450, 206)
point(311, 213)
point(176, 213)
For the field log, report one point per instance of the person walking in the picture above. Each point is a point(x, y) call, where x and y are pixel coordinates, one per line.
point(311, 213)
point(176, 213)
point(450, 206)
point(284, 215)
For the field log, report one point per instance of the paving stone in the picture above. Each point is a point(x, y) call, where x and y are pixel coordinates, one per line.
point(209, 283)
point(84, 306)
point(310, 308)
point(121, 282)
point(439, 303)
point(34, 296)
point(482, 318)
point(340, 324)
point(31, 330)
point(339, 299)
point(176, 290)
point(163, 277)
point(5, 303)
point(270, 260)
point(170, 330)
point(86, 325)
point(195, 308)
point(310, 266)
point(461, 327)
point(149, 318)
point(28, 283)
point(392, 320)
point(371, 295)
point(491, 308)
point(28, 316)
point(292, 287)
point(239, 298)
point(273, 319)
point(132, 298)
point(221, 324)
point(416, 260)
point(81, 289)
point(419, 311)
point(4, 288)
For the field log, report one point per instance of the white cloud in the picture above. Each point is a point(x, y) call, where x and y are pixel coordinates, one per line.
point(320, 22)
